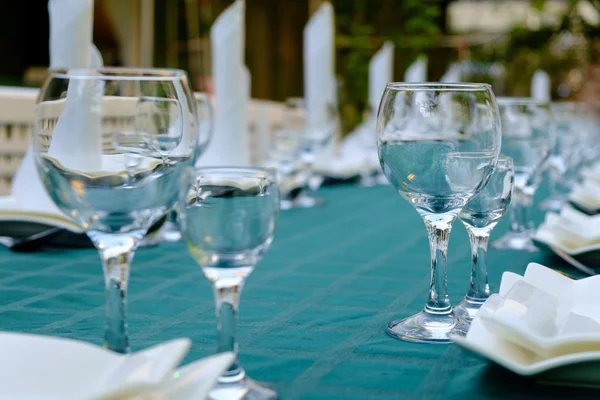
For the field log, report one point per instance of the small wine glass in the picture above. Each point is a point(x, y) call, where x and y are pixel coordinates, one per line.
point(110, 145)
point(227, 216)
point(315, 138)
point(170, 231)
point(479, 217)
point(528, 137)
point(438, 146)
point(567, 157)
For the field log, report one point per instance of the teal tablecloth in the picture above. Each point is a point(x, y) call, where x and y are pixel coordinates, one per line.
point(312, 315)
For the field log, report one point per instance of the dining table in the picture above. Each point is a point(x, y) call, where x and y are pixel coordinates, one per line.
point(313, 313)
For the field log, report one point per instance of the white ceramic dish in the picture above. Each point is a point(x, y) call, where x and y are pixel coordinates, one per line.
point(508, 344)
point(43, 367)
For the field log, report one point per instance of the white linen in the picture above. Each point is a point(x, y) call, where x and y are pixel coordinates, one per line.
point(540, 86)
point(229, 144)
point(320, 89)
point(417, 71)
point(381, 72)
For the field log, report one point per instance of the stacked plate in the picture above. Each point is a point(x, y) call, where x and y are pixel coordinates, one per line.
point(541, 324)
point(573, 233)
point(36, 367)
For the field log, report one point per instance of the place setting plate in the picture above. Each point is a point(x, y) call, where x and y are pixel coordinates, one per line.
point(543, 325)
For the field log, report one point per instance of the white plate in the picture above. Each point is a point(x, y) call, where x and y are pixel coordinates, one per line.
point(581, 369)
point(43, 367)
point(489, 342)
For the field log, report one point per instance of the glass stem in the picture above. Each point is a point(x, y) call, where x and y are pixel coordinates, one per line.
point(520, 221)
point(479, 289)
point(116, 251)
point(227, 298)
point(438, 228)
point(309, 158)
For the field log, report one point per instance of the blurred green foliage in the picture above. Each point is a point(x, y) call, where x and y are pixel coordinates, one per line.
point(361, 28)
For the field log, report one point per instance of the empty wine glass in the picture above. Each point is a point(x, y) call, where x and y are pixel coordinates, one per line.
point(170, 231)
point(438, 145)
point(227, 216)
point(567, 156)
point(110, 145)
point(528, 138)
point(480, 216)
point(315, 137)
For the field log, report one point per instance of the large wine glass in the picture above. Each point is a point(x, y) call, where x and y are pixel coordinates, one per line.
point(438, 146)
point(110, 145)
point(528, 138)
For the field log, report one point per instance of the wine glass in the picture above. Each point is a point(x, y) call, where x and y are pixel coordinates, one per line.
point(110, 145)
point(528, 138)
point(438, 145)
point(170, 231)
point(479, 217)
point(227, 216)
point(567, 156)
point(315, 136)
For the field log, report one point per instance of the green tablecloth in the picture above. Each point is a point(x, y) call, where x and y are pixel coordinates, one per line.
point(313, 313)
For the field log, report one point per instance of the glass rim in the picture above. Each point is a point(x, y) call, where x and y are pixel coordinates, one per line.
point(245, 172)
point(506, 160)
point(438, 86)
point(520, 101)
point(118, 73)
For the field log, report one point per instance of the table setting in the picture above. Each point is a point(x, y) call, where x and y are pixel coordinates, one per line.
point(137, 219)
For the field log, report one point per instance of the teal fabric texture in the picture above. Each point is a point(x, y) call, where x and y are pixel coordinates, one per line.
point(313, 313)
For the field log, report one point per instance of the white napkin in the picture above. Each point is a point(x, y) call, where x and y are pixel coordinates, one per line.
point(381, 72)
point(544, 312)
point(417, 71)
point(540, 86)
point(452, 74)
point(319, 65)
point(71, 45)
point(229, 144)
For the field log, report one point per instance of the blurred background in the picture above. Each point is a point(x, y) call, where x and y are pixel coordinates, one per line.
point(497, 41)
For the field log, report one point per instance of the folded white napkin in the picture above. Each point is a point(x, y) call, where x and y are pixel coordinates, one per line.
point(319, 65)
point(544, 312)
point(540, 86)
point(452, 74)
point(381, 72)
point(417, 71)
point(229, 144)
point(70, 46)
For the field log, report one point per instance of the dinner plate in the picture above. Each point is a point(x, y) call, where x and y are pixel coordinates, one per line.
point(545, 239)
point(579, 369)
point(577, 296)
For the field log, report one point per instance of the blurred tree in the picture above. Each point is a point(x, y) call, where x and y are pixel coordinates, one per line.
point(414, 26)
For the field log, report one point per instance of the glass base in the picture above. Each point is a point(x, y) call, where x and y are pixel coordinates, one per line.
point(286, 204)
point(467, 309)
point(553, 203)
point(426, 327)
point(308, 200)
point(515, 241)
point(245, 389)
point(169, 232)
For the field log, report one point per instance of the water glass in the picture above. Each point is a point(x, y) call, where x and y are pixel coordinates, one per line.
point(438, 145)
point(110, 145)
point(479, 217)
point(227, 216)
point(528, 138)
point(170, 231)
point(314, 139)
